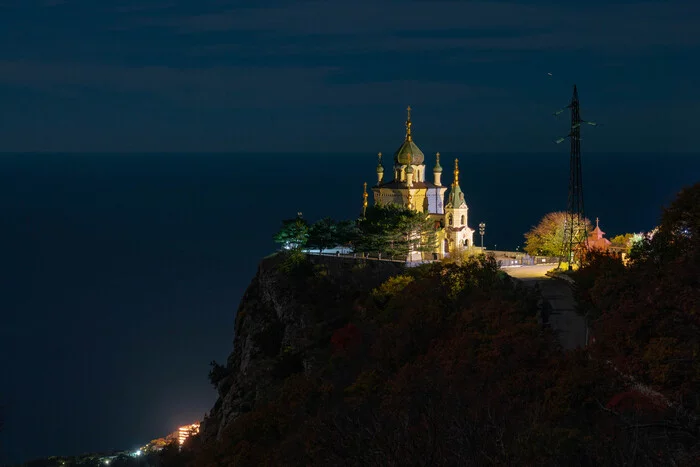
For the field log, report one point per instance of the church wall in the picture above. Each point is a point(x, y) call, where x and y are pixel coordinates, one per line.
point(400, 197)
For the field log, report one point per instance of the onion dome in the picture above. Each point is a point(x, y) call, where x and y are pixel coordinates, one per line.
point(437, 168)
point(408, 153)
point(380, 167)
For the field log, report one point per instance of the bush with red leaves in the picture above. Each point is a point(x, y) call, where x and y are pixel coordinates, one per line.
point(346, 339)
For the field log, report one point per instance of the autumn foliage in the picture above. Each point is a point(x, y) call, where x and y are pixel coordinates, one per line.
point(346, 339)
point(446, 364)
point(646, 323)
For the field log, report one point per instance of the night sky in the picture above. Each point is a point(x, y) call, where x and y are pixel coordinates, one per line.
point(217, 75)
point(121, 272)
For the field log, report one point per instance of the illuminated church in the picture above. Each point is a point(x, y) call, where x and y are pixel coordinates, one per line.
point(409, 187)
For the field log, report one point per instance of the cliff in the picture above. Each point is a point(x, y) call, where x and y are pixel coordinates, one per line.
point(283, 325)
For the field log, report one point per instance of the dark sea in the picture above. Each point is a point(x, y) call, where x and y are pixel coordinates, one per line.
point(121, 273)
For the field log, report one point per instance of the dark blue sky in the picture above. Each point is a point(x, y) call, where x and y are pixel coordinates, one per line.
point(217, 75)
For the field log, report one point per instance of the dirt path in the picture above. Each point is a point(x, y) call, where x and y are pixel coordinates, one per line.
point(569, 326)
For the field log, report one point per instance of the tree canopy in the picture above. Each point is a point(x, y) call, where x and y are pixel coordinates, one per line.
point(395, 230)
point(391, 230)
point(547, 237)
point(646, 322)
point(623, 241)
point(294, 233)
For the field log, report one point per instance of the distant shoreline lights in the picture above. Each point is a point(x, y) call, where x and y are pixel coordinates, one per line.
point(186, 431)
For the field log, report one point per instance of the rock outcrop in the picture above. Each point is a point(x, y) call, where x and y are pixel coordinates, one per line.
point(278, 326)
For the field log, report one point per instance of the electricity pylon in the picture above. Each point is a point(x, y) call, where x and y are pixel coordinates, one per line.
point(575, 239)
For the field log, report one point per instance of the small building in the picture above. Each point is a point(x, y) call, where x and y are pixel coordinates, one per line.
point(596, 240)
point(186, 431)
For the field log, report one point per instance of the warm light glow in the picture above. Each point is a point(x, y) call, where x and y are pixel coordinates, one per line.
point(184, 432)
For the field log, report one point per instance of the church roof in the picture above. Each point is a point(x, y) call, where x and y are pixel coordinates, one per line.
point(438, 167)
point(596, 240)
point(455, 198)
point(596, 234)
point(408, 153)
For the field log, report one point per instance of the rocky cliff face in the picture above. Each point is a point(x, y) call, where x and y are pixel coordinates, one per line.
point(279, 322)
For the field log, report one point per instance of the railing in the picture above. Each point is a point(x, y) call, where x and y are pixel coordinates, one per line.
point(504, 258)
point(365, 256)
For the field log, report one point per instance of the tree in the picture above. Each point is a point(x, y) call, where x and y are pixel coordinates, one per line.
point(646, 322)
point(293, 234)
point(347, 233)
point(217, 373)
point(323, 234)
point(547, 237)
point(395, 231)
point(623, 241)
point(678, 234)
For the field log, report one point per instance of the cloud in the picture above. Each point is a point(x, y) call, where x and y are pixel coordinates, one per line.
point(327, 31)
point(390, 25)
point(228, 87)
point(357, 18)
point(142, 7)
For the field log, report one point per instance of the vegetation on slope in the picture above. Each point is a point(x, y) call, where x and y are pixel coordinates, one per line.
point(443, 365)
point(646, 321)
point(447, 364)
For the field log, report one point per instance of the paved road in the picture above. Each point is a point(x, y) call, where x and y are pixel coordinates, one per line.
point(569, 325)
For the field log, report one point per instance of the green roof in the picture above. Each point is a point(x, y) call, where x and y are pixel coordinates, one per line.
point(408, 154)
point(455, 198)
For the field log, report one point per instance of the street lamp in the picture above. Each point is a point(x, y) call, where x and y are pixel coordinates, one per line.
point(482, 229)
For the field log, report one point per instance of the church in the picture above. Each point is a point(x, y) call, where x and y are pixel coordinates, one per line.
point(408, 186)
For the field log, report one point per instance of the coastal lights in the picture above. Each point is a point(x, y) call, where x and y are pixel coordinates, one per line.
point(186, 431)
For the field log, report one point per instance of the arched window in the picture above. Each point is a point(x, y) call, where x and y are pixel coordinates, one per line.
point(418, 175)
point(462, 220)
point(449, 219)
point(447, 246)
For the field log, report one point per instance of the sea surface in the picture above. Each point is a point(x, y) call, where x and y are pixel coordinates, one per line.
point(121, 273)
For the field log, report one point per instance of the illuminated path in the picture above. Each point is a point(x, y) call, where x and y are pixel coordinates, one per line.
point(569, 326)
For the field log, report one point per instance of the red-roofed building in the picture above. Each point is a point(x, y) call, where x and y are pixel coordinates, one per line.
point(596, 240)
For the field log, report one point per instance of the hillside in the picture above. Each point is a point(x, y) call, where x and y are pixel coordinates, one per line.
point(351, 363)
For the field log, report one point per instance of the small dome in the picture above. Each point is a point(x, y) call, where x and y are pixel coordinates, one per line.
point(408, 153)
point(380, 169)
point(438, 167)
point(409, 169)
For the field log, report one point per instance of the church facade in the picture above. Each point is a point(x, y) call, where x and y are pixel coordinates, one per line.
point(407, 184)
